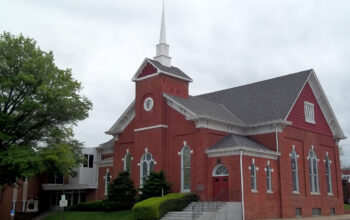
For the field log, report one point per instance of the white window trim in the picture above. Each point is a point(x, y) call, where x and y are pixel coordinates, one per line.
point(330, 193)
point(255, 189)
point(106, 181)
point(309, 112)
point(297, 170)
point(182, 168)
point(314, 185)
point(148, 165)
point(124, 160)
point(270, 179)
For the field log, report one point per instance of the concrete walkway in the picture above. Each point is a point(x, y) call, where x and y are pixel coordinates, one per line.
point(333, 217)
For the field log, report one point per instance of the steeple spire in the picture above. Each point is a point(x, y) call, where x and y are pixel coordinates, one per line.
point(162, 52)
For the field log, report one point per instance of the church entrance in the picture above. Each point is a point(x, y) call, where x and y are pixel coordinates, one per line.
point(220, 182)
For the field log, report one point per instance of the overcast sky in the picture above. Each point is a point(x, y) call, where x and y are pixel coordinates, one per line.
point(219, 44)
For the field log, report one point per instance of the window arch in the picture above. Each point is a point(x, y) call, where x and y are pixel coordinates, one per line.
point(146, 166)
point(127, 162)
point(220, 170)
point(186, 168)
point(328, 174)
point(253, 170)
point(295, 172)
point(313, 172)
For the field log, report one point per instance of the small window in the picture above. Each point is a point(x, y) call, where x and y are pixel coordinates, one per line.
point(86, 160)
point(91, 161)
point(316, 211)
point(309, 112)
point(268, 178)
point(298, 212)
point(332, 212)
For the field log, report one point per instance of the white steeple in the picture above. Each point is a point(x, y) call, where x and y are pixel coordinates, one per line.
point(162, 53)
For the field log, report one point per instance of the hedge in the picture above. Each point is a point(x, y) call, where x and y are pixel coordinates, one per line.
point(156, 207)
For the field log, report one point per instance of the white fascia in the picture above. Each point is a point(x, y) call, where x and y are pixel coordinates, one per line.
point(247, 151)
point(123, 121)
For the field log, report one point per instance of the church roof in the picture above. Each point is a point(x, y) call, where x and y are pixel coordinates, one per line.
point(234, 141)
point(254, 103)
point(172, 70)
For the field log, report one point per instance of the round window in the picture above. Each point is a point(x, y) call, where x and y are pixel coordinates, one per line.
point(148, 104)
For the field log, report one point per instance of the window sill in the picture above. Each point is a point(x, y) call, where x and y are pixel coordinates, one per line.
point(296, 192)
point(315, 193)
point(254, 191)
point(330, 194)
point(185, 190)
point(269, 191)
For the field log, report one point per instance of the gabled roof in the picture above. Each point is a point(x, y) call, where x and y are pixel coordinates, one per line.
point(262, 101)
point(106, 145)
point(202, 107)
point(258, 104)
point(161, 69)
point(123, 120)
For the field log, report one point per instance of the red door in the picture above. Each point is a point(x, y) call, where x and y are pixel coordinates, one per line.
point(220, 188)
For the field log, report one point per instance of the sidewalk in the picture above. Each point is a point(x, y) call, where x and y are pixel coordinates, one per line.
point(333, 217)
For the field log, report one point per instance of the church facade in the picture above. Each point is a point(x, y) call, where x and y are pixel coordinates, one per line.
point(271, 145)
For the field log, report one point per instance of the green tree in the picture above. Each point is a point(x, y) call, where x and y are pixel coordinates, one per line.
point(122, 192)
point(39, 104)
point(155, 185)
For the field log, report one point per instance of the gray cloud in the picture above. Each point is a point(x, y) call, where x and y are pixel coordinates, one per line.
point(219, 44)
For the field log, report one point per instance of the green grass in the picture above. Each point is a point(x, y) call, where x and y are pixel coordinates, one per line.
point(346, 206)
point(73, 215)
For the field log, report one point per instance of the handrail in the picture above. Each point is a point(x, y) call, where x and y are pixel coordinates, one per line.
point(204, 206)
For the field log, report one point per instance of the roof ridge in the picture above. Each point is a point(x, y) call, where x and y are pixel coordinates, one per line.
point(262, 81)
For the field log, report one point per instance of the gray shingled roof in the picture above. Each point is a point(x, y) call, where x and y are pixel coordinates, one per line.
point(108, 144)
point(234, 140)
point(172, 70)
point(257, 102)
point(207, 108)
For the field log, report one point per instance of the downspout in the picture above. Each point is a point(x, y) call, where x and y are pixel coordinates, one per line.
point(277, 145)
point(242, 186)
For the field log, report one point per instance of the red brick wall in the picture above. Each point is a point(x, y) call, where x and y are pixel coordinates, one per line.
point(303, 140)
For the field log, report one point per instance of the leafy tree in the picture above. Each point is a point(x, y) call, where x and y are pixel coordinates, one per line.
point(39, 104)
point(154, 185)
point(122, 192)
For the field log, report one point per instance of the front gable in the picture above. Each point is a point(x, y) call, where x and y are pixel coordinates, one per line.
point(297, 116)
point(325, 120)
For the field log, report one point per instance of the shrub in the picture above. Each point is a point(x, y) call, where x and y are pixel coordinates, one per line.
point(156, 207)
point(121, 193)
point(154, 184)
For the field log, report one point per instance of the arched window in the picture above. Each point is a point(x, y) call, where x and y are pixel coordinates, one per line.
point(186, 169)
point(295, 173)
point(220, 170)
point(146, 166)
point(127, 162)
point(253, 176)
point(328, 174)
point(268, 177)
point(313, 172)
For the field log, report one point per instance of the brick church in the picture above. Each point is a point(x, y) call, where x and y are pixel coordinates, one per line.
point(271, 145)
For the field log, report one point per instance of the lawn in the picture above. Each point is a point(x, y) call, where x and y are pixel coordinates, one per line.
point(72, 215)
point(346, 207)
